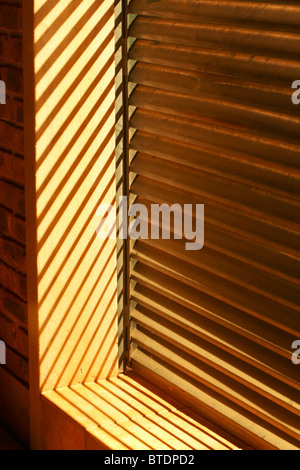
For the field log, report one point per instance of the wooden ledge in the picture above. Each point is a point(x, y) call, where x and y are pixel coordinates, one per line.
point(126, 413)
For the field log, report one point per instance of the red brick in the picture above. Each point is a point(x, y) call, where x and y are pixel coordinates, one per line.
point(11, 137)
point(17, 365)
point(10, 17)
point(5, 221)
point(12, 197)
point(11, 48)
point(14, 80)
point(22, 341)
point(12, 307)
point(13, 335)
point(18, 230)
point(12, 227)
point(13, 254)
point(12, 168)
point(13, 281)
point(12, 111)
point(7, 330)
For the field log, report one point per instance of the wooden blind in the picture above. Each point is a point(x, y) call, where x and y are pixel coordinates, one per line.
point(214, 124)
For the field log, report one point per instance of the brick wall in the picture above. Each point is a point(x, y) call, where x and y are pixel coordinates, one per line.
point(13, 307)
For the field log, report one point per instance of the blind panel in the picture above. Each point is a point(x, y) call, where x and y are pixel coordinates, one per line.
point(214, 124)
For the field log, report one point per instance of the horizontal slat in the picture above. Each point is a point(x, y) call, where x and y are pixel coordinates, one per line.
point(197, 84)
point(241, 64)
point(221, 189)
point(237, 166)
point(278, 13)
point(230, 317)
point(212, 355)
point(212, 405)
point(217, 381)
point(245, 343)
point(225, 267)
point(197, 132)
point(237, 296)
point(247, 250)
point(212, 35)
point(222, 111)
point(223, 215)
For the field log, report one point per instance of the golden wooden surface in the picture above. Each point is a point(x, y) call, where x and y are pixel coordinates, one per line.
point(127, 413)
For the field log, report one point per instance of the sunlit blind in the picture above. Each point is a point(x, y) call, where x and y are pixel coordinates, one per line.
point(215, 124)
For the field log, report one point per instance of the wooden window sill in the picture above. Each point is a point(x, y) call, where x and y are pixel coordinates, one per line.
point(126, 413)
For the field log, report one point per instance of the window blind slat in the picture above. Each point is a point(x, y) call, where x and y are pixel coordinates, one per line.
point(213, 123)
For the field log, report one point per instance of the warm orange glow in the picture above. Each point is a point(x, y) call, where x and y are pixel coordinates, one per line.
point(73, 307)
